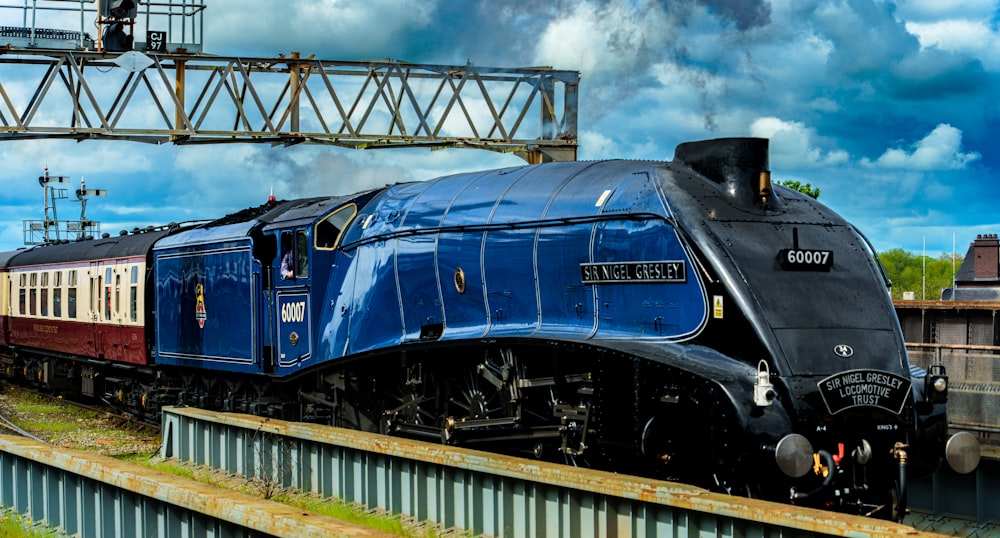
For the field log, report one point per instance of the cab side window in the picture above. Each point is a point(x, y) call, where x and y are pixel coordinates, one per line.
point(294, 255)
point(287, 269)
point(302, 251)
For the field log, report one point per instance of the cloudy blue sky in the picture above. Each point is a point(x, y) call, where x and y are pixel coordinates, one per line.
point(890, 108)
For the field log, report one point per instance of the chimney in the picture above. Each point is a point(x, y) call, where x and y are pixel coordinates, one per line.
point(987, 262)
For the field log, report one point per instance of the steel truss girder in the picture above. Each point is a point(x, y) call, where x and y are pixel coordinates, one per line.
point(288, 100)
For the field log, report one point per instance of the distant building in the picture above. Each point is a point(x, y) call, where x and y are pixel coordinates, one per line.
point(978, 279)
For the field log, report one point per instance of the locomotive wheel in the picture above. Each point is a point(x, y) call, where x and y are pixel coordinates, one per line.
point(483, 399)
point(476, 400)
point(410, 409)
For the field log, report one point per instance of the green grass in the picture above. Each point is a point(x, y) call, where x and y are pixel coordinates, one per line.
point(70, 418)
point(41, 426)
point(14, 525)
point(334, 508)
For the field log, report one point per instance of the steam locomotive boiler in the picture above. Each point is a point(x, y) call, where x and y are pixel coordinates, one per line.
point(685, 320)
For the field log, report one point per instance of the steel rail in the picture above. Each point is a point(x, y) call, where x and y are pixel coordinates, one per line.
point(7, 424)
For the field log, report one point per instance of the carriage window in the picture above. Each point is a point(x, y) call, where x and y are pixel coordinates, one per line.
point(71, 296)
point(23, 294)
point(33, 295)
point(43, 293)
point(118, 287)
point(57, 295)
point(302, 252)
point(133, 299)
point(327, 232)
point(107, 293)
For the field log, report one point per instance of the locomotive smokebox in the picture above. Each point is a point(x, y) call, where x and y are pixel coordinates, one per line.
point(739, 166)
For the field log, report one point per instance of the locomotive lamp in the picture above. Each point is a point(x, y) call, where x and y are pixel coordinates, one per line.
point(936, 384)
point(763, 390)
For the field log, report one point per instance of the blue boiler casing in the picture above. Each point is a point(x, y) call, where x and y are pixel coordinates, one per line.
point(514, 253)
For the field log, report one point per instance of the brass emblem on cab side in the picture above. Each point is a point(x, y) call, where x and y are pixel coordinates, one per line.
point(460, 280)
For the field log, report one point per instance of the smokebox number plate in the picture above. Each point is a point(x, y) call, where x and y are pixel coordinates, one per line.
point(797, 259)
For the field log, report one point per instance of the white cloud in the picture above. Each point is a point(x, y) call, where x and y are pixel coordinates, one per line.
point(595, 145)
point(923, 10)
point(792, 144)
point(576, 40)
point(312, 26)
point(952, 34)
point(973, 37)
point(939, 150)
point(26, 160)
point(618, 38)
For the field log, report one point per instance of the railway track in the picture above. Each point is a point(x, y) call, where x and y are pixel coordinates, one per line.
point(8, 425)
point(98, 427)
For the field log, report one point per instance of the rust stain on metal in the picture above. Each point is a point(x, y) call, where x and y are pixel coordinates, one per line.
point(251, 512)
point(592, 481)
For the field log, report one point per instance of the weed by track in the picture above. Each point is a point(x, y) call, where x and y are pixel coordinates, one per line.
point(64, 424)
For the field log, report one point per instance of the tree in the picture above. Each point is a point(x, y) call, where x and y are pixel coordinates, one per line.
point(908, 271)
point(806, 189)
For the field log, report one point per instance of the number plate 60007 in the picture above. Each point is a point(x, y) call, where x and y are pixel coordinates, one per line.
point(796, 259)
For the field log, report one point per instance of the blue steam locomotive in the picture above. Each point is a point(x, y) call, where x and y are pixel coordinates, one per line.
point(685, 320)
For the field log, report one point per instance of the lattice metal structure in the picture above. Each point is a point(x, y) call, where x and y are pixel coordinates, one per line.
point(53, 230)
point(196, 99)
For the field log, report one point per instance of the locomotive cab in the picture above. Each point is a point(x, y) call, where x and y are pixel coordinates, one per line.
point(307, 239)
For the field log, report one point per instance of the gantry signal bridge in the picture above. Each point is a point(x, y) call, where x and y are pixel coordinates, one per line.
point(161, 92)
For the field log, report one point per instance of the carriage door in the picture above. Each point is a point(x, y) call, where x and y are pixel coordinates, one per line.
point(116, 286)
point(96, 307)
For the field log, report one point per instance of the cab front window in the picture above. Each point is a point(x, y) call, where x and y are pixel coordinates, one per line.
point(327, 232)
